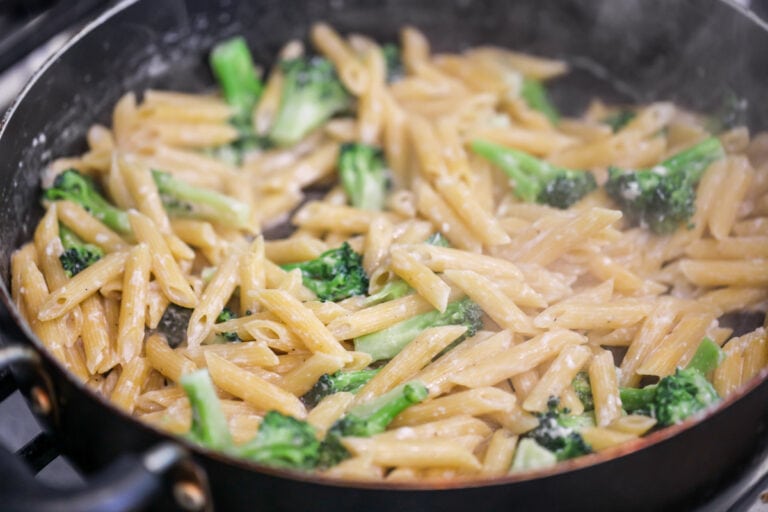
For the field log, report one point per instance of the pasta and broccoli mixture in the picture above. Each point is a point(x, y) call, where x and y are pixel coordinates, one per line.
point(472, 284)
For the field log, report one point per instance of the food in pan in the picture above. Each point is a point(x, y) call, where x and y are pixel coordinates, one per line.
point(474, 283)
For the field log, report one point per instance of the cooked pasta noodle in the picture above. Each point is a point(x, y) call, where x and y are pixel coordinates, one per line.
point(561, 294)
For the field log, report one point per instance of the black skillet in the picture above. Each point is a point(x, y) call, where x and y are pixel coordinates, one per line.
point(700, 53)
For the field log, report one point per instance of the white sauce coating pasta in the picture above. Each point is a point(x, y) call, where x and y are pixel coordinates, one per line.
point(563, 290)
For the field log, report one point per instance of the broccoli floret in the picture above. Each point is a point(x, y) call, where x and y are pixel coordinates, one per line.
point(311, 94)
point(226, 315)
point(583, 389)
point(369, 419)
point(181, 199)
point(664, 196)
point(394, 61)
point(363, 174)
point(535, 96)
point(558, 431)
point(619, 119)
point(77, 255)
point(334, 275)
point(337, 382)
point(70, 185)
point(283, 441)
point(680, 395)
point(209, 425)
point(233, 66)
point(529, 456)
point(536, 180)
point(386, 344)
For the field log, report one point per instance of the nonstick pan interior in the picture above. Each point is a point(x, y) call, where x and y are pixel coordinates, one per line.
point(701, 54)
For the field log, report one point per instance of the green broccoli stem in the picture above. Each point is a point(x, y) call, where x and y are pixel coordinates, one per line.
point(387, 343)
point(68, 238)
point(515, 164)
point(708, 356)
point(530, 456)
point(352, 381)
point(695, 160)
point(363, 175)
point(209, 425)
point(637, 399)
point(535, 96)
point(185, 200)
point(114, 218)
point(535, 179)
point(70, 241)
point(329, 384)
point(70, 185)
point(233, 66)
point(369, 419)
point(380, 411)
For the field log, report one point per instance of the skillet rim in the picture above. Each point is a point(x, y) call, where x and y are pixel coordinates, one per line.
point(580, 463)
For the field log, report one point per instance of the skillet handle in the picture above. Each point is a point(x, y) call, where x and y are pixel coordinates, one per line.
point(131, 483)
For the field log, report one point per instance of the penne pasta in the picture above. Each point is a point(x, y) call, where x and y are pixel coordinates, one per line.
point(433, 289)
point(413, 453)
point(518, 359)
point(82, 286)
point(215, 295)
point(133, 303)
point(494, 302)
point(558, 376)
point(605, 389)
point(167, 361)
point(410, 360)
point(251, 388)
point(491, 270)
point(130, 383)
point(303, 322)
point(474, 402)
point(164, 267)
